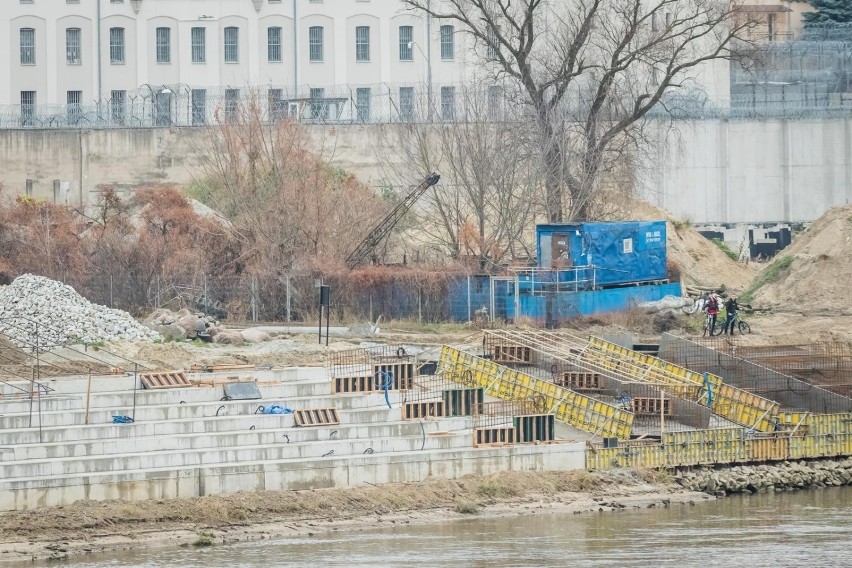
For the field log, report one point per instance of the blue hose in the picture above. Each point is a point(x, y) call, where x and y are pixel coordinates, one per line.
point(385, 385)
point(709, 390)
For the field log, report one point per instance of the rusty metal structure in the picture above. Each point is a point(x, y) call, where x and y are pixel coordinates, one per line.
point(827, 365)
point(725, 358)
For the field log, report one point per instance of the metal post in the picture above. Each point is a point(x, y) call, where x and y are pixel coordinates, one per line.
point(469, 310)
point(319, 333)
point(88, 396)
point(288, 298)
point(135, 381)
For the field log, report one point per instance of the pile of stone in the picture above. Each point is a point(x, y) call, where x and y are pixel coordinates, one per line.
point(37, 307)
point(183, 324)
point(774, 477)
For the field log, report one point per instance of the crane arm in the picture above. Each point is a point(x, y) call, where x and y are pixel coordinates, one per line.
point(375, 237)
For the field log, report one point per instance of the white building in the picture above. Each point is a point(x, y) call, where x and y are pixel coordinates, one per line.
point(78, 52)
point(161, 62)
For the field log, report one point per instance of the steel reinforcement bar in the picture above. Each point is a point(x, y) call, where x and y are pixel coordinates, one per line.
point(737, 405)
point(580, 411)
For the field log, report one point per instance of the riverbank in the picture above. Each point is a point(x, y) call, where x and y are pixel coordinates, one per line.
point(92, 527)
point(784, 476)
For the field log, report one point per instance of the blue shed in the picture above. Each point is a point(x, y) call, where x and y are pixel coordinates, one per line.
point(621, 252)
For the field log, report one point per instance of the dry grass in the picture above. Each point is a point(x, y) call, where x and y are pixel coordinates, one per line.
point(120, 517)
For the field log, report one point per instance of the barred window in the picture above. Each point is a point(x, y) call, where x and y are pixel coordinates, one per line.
point(72, 108)
point(232, 40)
point(72, 46)
point(117, 102)
point(448, 42)
point(164, 45)
point(363, 95)
point(199, 107)
point(448, 103)
point(199, 45)
point(28, 105)
point(362, 43)
point(116, 45)
point(232, 103)
point(406, 103)
point(406, 43)
point(273, 44)
point(27, 46)
point(315, 43)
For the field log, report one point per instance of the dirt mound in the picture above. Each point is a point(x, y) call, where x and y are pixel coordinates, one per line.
point(812, 276)
point(700, 261)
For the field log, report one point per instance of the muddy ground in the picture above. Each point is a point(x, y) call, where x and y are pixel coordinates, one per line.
point(102, 526)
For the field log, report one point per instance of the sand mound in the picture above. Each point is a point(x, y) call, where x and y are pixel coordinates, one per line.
point(819, 278)
point(700, 262)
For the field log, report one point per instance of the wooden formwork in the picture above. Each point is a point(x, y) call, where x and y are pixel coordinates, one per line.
point(433, 409)
point(511, 354)
point(316, 417)
point(536, 428)
point(494, 436)
point(579, 380)
point(401, 374)
point(165, 380)
point(650, 406)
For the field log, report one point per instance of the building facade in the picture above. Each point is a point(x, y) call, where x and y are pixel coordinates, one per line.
point(118, 52)
point(165, 62)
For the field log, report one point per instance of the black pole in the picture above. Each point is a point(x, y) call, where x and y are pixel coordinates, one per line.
point(327, 318)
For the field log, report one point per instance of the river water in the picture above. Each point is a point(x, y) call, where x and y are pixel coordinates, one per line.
point(803, 529)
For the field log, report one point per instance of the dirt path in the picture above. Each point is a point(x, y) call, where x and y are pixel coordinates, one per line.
point(90, 527)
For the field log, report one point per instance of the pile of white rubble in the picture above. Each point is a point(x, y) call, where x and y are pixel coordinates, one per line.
point(37, 306)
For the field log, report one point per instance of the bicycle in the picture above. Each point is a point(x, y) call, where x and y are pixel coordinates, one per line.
point(740, 324)
point(718, 327)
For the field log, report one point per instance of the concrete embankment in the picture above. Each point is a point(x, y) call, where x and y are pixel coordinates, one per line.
point(774, 477)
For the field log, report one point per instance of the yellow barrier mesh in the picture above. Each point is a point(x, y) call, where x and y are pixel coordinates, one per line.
point(578, 410)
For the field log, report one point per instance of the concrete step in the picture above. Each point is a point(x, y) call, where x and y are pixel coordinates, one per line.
point(177, 411)
point(280, 451)
point(65, 402)
point(329, 471)
point(142, 442)
point(183, 426)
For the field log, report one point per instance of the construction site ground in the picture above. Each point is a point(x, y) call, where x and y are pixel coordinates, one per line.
point(817, 312)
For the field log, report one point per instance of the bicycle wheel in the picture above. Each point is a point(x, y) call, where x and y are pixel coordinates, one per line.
point(706, 327)
point(744, 328)
point(719, 328)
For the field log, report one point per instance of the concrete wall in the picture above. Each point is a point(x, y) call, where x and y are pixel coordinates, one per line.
point(720, 171)
point(711, 171)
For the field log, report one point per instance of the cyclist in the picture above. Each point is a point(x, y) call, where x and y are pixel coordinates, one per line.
point(711, 307)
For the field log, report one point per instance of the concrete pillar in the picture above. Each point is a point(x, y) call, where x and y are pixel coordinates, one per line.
point(786, 171)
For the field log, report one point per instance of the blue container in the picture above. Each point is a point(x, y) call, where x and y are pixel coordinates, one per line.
point(621, 252)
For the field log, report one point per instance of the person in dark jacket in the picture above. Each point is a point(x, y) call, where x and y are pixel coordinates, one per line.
point(731, 309)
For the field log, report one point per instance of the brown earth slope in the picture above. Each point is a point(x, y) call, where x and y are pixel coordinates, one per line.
point(818, 281)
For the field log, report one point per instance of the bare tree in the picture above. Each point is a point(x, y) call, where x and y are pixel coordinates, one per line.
point(487, 194)
point(590, 71)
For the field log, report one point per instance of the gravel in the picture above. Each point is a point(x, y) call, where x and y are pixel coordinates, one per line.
point(61, 316)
